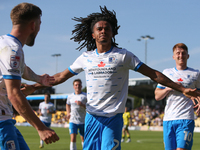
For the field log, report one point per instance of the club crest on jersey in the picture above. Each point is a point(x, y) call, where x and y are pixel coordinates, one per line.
point(11, 145)
point(101, 64)
point(14, 61)
point(112, 59)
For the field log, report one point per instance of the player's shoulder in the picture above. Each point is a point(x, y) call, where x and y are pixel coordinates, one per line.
point(50, 103)
point(193, 70)
point(42, 103)
point(120, 50)
point(10, 42)
point(168, 70)
point(70, 95)
point(83, 93)
point(88, 53)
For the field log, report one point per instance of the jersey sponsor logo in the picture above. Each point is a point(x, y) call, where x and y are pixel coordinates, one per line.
point(180, 79)
point(13, 70)
point(102, 64)
point(14, 61)
point(11, 145)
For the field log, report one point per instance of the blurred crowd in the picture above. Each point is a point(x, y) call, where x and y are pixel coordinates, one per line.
point(143, 115)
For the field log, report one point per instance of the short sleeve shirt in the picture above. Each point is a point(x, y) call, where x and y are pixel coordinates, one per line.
point(179, 106)
point(77, 112)
point(46, 117)
point(107, 79)
point(11, 67)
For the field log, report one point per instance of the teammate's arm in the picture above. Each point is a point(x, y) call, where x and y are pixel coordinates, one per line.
point(162, 79)
point(161, 93)
point(58, 78)
point(68, 109)
point(44, 79)
point(22, 106)
point(51, 111)
point(80, 104)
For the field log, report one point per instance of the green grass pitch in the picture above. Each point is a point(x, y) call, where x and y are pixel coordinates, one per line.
point(140, 140)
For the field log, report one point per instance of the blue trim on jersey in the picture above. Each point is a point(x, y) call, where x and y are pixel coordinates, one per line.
point(105, 52)
point(160, 87)
point(15, 38)
point(72, 71)
point(138, 66)
point(11, 77)
point(184, 69)
point(78, 94)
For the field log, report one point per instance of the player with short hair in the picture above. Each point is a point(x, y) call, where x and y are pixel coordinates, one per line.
point(75, 107)
point(46, 109)
point(106, 70)
point(26, 20)
point(178, 121)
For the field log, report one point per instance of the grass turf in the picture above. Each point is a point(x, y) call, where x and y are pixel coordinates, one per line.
point(140, 140)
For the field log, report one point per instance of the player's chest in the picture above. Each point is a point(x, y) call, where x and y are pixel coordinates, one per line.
point(111, 62)
point(187, 79)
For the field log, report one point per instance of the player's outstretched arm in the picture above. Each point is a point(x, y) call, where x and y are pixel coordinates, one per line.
point(22, 106)
point(44, 79)
point(162, 79)
point(58, 78)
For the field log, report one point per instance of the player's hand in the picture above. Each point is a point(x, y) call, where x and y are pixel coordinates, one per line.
point(46, 80)
point(196, 102)
point(191, 93)
point(48, 135)
point(27, 89)
point(80, 104)
point(197, 107)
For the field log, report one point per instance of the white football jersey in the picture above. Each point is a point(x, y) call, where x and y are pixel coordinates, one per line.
point(46, 117)
point(179, 106)
point(11, 67)
point(106, 78)
point(77, 112)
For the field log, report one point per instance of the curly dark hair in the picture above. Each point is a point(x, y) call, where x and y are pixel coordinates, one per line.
point(83, 31)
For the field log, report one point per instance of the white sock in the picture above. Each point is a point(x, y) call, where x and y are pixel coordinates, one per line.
point(73, 146)
point(82, 144)
point(41, 142)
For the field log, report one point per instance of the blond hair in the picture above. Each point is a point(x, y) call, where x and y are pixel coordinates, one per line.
point(24, 12)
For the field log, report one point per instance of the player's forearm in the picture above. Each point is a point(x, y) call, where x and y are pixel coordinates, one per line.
point(159, 78)
point(68, 109)
point(162, 79)
point(161, 93)
point(83, 105)
point(30, 75)
point(62, 77)
point(22, 106)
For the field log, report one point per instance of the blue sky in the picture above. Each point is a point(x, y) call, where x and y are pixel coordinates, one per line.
point(169, 22)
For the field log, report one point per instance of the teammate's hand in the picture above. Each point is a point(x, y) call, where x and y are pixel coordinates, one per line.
point(27, 89)
point(46, 80)
point(48, 135)
point(196, 102)
point(191, 93)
